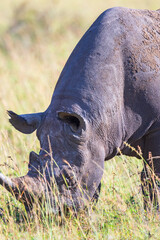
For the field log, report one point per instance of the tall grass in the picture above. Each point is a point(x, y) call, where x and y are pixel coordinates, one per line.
point(36, 38)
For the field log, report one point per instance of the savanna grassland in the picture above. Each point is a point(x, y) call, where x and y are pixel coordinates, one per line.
point(36, 38)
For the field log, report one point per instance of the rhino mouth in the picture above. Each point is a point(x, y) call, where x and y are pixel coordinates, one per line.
point(31, 190)
point(60, 190)
point(45, 182)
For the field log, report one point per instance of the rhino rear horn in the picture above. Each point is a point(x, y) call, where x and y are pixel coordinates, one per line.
point(26, 123)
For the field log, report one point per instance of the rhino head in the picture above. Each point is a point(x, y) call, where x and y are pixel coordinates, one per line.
point(83, 125)
point(70, 155)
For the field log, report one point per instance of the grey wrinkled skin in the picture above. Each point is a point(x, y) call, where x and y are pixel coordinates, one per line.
point(108, 93)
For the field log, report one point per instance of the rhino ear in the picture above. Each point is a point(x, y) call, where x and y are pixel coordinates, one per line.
point(26, 123)
point(74, 120)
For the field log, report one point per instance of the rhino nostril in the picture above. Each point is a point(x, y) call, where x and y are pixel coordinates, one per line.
point(68, 178)
point(71, 181)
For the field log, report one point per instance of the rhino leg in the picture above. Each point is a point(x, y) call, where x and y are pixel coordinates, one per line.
point(149, 187)
point(150, 176)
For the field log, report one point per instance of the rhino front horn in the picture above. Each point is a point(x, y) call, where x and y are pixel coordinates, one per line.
point(7, 182)
point(14, 186)
point(25, 188)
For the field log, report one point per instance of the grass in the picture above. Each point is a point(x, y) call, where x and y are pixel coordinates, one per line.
point(36, 38)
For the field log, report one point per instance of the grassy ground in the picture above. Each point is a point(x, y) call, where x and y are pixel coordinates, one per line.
point(36, 38)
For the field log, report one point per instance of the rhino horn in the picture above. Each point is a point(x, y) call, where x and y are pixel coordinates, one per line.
point(26, 189)
point(11, 185)
point(29, 187)
point(7, 182)
point(26, 123)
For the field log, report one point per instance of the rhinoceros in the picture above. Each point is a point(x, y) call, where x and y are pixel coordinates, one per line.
point(107, 98)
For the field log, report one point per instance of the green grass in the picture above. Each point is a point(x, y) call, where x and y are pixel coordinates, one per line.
point(36, 38)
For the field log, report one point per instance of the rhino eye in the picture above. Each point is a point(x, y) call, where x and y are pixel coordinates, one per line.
point(71, 120)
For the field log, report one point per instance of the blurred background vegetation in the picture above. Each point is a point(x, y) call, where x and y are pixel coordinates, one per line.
point(36, 38)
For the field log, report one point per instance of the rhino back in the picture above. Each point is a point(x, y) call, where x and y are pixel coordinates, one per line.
point(113, 72)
